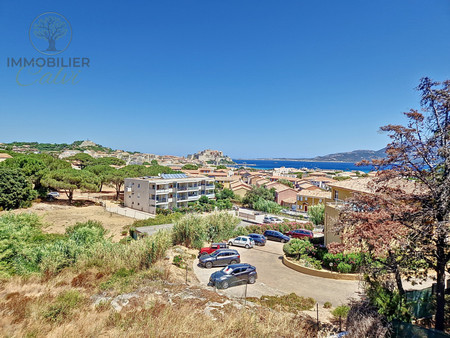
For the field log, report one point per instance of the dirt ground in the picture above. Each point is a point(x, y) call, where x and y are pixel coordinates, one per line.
point(58, 215)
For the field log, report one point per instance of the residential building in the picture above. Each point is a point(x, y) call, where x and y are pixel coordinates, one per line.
point(240, 188)
point(340, 191)
point(307, 186)
point(226, 181)
point(343, 190)
point(308, 198)
point(285, 194)
point(167, 191)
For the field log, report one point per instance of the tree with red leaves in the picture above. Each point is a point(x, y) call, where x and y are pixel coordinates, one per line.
point(407, 218)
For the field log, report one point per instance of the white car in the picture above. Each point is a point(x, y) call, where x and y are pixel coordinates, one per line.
point(243, 241)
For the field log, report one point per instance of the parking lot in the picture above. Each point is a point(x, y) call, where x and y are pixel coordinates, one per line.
point(275, 278)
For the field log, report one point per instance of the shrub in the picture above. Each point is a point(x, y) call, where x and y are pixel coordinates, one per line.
point(62, 307)
point(291, 302)
point(316, 213)
point(178, 261)
point(220, 226)
point(188, 230)
point(363, 320)
point(341, 311)
point(193, 230)
point(311, 262)
point(121, 277)
point(389, 302)
point(327, 305)
point(137, 255)
point(15, 189)
point(299, 247)
point(344, 267)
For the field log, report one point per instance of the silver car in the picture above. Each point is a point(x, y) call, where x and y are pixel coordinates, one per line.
point(243, 241)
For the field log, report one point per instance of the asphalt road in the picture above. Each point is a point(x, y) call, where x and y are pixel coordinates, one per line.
point(276, 278)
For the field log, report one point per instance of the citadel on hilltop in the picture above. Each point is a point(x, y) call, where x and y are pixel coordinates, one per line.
point(211, 157)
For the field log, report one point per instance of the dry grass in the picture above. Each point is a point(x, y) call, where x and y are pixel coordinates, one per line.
point(163, 306)
point(59, 217)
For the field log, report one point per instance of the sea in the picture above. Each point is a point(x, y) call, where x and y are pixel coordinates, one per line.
point(271, 164)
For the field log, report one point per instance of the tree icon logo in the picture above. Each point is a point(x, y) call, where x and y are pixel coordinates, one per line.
point(50, 33)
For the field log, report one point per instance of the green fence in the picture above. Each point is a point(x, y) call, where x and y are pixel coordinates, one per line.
point(406, 330)
point(421, 302)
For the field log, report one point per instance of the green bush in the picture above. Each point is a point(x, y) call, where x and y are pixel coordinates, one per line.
point(188, 230)
point(354, 260)
point(15, 189)
point(193, 230)
point(327, 305)
point(344, 267)
point(311, 262)
point(389, 303)
point(298, 247)
point(316, 213)
point(63, 306)
point(178, 261)
point(341, 311)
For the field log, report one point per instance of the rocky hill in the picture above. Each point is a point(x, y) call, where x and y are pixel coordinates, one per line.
point(351, 156)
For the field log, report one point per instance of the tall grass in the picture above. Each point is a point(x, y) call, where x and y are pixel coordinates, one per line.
point(25, 249)
point(192, 230)
point(136, 255)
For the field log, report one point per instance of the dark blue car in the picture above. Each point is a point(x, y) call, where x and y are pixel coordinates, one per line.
point(259, 239)
point(234, 274)
point(276, 236)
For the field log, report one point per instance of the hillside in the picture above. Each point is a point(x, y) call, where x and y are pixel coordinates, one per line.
point(351, 156)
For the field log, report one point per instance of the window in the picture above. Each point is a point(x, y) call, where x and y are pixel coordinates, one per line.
point(301, 198)
point(336, 195)
point(139, 185)
point(320, 200)
point(306, 198)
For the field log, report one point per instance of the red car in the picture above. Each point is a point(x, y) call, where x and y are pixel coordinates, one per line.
point(213, 247)
point(300, 233)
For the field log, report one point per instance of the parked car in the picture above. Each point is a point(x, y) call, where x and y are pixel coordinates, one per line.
point(52, 195)
point(276, 220)
point(213, 247)
point(233, 275)
point(220, 257)
point(259, 239)
point(272, 219)
point(243, 241)
point(300, 233)
point(276, 236)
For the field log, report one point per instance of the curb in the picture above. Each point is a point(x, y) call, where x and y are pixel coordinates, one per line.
point(319, 273)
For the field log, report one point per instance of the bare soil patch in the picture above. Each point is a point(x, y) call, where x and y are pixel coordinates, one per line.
point(58, 216)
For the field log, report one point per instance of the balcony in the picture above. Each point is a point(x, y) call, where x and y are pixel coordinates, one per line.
point(336, 204)
point(182, 188)
point(163, 191)
point(161, 201)
point(195, 188)
point(193, 198)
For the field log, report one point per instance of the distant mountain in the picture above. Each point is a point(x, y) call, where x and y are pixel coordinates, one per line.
point(351, 156)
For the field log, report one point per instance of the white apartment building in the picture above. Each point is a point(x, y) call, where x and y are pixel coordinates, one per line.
point(167, 191)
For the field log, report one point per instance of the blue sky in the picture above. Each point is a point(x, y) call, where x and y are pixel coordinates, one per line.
point(253, 78)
